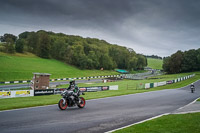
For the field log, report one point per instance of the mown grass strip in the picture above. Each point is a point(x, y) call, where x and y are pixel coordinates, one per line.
point(181, 123)
point(154, 63)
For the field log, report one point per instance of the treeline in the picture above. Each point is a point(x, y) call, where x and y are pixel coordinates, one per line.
point(178, 62)
point(85, 53)
point(154, 56)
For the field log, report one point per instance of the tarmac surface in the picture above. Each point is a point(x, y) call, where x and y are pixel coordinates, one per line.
point(192, 108)
point(99, 115)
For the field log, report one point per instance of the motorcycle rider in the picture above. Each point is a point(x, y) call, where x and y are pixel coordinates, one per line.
point(73, 87)
point(192, 87)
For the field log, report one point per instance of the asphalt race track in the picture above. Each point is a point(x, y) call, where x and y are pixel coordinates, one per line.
point(99, 115)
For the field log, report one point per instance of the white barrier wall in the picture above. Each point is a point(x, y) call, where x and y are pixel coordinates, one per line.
point(162, 83)
point(155, 84)
point(113, 87)
point(147, 85)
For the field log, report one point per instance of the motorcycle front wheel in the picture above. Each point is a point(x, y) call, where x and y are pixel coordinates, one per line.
point(62, 105)
point(81, 103)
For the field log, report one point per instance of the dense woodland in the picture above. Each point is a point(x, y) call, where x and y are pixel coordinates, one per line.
point(85, 53)
point(182, 61)
point(154, 56)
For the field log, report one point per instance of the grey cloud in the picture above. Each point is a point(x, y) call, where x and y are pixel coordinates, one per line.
point(148, 26)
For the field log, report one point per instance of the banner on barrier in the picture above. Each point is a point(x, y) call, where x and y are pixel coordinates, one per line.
point(19, 93)
point(22, 93)
point(43, 92)
point(94, 89)
point(5, 94)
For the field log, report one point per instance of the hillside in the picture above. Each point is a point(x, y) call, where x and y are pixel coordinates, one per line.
point(154, 63)
point(21, 67)
point(84, 53)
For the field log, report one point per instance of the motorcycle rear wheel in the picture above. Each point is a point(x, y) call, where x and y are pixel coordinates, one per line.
point(61, 105)
point(82, 103)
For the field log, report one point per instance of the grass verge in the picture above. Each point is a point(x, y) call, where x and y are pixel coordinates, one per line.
point(21, 102)
point(181, 123)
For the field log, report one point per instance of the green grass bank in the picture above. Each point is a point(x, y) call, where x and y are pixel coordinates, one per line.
point(21, 67)
point(154, 63)
point(181, 123)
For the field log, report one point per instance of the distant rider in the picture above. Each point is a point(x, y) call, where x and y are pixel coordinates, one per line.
point(192, 87)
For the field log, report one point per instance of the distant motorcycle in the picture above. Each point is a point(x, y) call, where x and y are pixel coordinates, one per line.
point(70, 100)
point(192, 88)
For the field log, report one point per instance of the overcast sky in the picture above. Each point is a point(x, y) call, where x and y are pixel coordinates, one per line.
point(159, 27)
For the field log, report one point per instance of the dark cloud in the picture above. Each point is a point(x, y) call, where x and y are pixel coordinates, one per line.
point(148, 26)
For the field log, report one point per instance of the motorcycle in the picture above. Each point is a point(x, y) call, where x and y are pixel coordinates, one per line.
point(70, 100)
point(192, 88)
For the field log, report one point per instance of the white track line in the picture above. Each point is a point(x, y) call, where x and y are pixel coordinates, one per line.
point(138, 122)
point(157, 117)
point(187, 112)
point(188, 104)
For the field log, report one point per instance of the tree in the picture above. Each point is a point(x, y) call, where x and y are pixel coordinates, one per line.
point(93, 61)
point(190, 61)
point(176, 62)
point(10, 47)
point(166, 64)
point(132, 63)
point(8, 37)
point(19, 47)
point(24, 35)
point(106, 62)
point(44, 45)
point(141, 62)
point(198, 59)
point(59, 49)
point(33, 42)
point(182, 62)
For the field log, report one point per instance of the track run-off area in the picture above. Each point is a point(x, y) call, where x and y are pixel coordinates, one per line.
point(99, 115)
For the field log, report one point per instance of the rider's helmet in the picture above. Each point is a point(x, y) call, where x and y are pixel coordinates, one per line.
point(72, 82)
